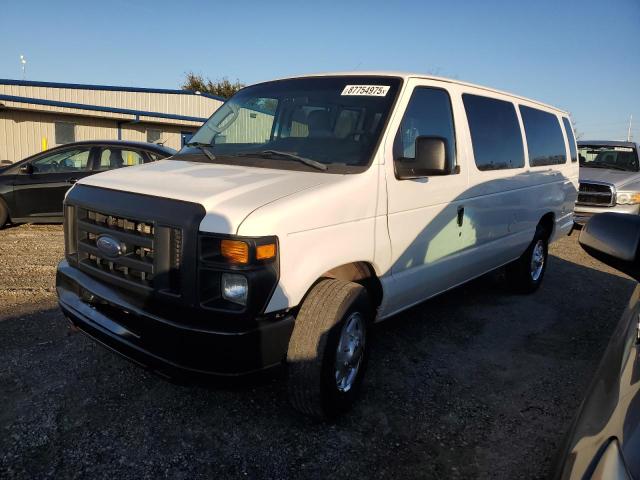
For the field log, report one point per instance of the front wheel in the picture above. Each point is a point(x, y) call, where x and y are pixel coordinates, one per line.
point(328, 349)
point(4, 215)
point(526, 273)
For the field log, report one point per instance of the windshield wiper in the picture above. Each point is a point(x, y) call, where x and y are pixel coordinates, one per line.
point(307, 161)
point(204, 147)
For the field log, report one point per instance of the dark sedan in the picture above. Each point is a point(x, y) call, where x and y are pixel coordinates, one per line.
point(33, 189)
point(604, 441)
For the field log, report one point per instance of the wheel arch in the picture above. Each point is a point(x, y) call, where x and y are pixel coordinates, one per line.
point(5, 205)
point(359, 272)
point(548, 223)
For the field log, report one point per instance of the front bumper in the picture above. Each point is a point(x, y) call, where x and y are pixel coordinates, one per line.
point(582, 213)
point(170, 346)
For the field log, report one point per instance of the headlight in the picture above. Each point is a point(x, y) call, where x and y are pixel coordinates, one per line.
point(235, 288)
point(628, 198)
point(236, 274)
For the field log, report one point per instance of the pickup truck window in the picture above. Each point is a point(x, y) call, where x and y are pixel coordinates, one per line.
point(621, 158)
point(495, 133)
point(337, 121)
point(544, 137)
point(428, 113)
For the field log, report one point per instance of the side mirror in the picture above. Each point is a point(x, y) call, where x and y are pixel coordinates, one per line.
point(27, 168)
point(431, 159)
point(614, 239)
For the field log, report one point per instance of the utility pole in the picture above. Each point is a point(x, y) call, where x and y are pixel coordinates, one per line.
point(629, 131)
point(23, 65)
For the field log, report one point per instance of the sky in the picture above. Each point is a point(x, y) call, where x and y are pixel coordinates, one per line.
point(581, 56)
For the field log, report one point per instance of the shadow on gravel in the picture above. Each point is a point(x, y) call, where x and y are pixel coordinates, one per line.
point(11, 226)
point(476, 383)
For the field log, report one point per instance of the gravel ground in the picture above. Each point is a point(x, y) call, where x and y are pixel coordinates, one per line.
point(478, 383)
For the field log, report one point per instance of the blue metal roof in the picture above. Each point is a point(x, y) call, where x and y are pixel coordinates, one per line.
point(99, 108)
point(78, 86)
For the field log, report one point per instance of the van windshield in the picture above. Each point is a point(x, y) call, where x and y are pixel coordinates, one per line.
point(330, 124)
point(615, 158)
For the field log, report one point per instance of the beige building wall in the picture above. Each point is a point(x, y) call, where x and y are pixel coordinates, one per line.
point(27, 126)
point(250, 126)
point(173, 103)
point(24, 133)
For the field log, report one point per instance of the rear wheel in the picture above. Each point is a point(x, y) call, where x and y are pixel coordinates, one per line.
point(526, 273)
point(328, 349)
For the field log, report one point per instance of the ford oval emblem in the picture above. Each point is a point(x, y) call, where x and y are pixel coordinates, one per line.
point(109, 246)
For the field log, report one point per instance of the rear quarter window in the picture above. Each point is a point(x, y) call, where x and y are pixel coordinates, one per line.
point(545, 142)
point(570, 138)
point(495, 133)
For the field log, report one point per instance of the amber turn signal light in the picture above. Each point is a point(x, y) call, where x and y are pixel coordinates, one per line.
point(235, 251)
point(265, 252)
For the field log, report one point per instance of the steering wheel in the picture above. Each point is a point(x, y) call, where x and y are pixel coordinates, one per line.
point(67, 163)
point(358, 136)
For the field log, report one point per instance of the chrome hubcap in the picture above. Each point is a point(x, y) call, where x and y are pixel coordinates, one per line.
point(537, 260)
point(350, 351)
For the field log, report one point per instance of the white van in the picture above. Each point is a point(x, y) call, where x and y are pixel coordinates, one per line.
point(305, 209)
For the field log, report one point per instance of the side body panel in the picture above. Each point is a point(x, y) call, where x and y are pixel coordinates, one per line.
point(427, 243)
point(430, 252)
point(324, 227)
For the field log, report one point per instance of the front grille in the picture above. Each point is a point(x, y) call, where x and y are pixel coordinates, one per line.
point(596, 194)
point(143, 258)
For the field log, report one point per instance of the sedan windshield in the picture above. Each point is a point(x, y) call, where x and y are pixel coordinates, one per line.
point(316, 123)
point(615, 158)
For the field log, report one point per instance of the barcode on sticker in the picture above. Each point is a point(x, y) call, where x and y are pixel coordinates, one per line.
point(367, 90)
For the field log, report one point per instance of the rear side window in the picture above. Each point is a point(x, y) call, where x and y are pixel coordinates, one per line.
point(544, 137)
point(570, 138)
point(155, 156)
point(428, 114)
point(495, 133)
point(111, 158)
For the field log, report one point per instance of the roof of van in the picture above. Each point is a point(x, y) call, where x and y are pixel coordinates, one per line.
point(606, 143)
point(406, 75)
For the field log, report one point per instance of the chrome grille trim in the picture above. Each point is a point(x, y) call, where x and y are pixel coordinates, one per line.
point(135, 265)
point(596, 194)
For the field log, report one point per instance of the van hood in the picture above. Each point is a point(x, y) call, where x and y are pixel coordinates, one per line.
point(228, 193)
point(617, 178)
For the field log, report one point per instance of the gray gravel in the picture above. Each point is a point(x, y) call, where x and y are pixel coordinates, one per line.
point(478, 383)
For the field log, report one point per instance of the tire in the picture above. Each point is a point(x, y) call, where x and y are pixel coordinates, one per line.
point(334, 311)
point(525, 276)
point(4, 215)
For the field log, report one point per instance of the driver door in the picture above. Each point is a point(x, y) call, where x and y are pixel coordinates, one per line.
point(41, 193)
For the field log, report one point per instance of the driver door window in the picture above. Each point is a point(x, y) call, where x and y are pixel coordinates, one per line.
point(68, 161)
point(41, 193)
point(428, 114)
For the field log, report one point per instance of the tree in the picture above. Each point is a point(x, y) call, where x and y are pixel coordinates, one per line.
point(577, 133)
point(221, 87)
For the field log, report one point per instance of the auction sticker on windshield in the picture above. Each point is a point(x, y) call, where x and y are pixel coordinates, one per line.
point(367, 90)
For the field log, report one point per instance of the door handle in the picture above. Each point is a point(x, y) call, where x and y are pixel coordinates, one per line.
point(460, 216)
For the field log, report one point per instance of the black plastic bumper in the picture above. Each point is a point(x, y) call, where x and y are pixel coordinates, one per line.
point(169, 346)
